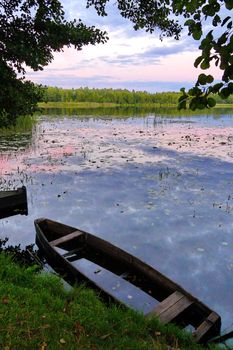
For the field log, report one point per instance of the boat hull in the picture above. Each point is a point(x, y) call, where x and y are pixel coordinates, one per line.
point(64, 247)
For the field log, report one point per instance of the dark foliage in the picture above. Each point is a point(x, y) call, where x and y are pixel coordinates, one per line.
point(24, 257)
point(118, 96)
point(216, 46)
point(17, 97)
point(30, 31)
point(145, 14)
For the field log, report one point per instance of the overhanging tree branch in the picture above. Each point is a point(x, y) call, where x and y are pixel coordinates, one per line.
point(216, 46)
point(30, 31)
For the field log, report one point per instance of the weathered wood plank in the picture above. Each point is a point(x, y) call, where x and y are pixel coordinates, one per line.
point(175, 303)
point(66, 238)
point(171, 307)
point(72, 252)
point(211, 323)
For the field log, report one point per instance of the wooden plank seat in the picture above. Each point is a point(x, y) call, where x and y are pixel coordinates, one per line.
point(210, 324)
point(171, 307)
point(66, 238)
point(81, 256)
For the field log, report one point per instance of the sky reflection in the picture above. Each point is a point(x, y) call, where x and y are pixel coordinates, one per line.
point(71, 144)
point(161, 190)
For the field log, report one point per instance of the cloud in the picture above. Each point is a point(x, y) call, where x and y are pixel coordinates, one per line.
point(107, 81)
point(131, 60)
point(128, 60)
point(112, 22)
point(152, 55)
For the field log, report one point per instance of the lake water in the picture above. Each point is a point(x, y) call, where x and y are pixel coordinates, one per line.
point(158, 186)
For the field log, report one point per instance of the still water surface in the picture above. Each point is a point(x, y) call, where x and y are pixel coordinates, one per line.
point(160, 187)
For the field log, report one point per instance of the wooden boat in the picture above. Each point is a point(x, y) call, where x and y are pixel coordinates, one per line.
point(13, 202)
point(80, 256)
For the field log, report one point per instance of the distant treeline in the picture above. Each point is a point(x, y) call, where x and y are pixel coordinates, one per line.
point(118, 96)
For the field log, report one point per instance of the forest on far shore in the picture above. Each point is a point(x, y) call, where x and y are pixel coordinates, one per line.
point(118, 96)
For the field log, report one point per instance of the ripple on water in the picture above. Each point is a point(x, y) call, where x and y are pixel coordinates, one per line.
point(161, 190)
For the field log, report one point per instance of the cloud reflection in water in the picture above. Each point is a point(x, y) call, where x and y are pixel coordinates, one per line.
point(162, 191)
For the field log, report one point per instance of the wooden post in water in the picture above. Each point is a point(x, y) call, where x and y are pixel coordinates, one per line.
point(13, 202)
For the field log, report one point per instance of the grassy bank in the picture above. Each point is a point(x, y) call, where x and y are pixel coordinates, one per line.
point(101, 105)
point(23, 124)
point(89, 105)
point(36, 312)
point(76, 105)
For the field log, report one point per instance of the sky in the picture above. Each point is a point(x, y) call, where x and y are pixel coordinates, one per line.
point(129, 60)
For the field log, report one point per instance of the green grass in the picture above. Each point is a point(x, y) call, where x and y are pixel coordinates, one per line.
point(83, 105)
point(80, 105)
point(37, 312)
point(23, 124)
point(76, 104)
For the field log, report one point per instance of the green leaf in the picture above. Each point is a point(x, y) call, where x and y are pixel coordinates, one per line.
point(202, 79)
point(189, 22)
point(195, 91)
point(209, 36)
point(229, 25)
point(209, 79)
point(230, 87)
point(223, 64)
point(198, 61)
point(211, 102)
point(182, 105)
point(229, 4)
point(230, 72)
point(205, 79)
point(216, 62)
point(197, 16)
point(225, 92)
point(205, 65)
point(182, 98)
point(202, 102)
point(216, 20)
point(217, 87)
point(193, 104)
point(223, 38)
point(225, 20)
point(211, 9)
point(197, 35)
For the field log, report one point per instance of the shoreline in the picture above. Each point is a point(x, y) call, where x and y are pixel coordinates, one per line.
point(93, 105)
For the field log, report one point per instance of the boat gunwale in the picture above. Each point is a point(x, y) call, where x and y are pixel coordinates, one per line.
point(197, 314)
point(136, 263)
